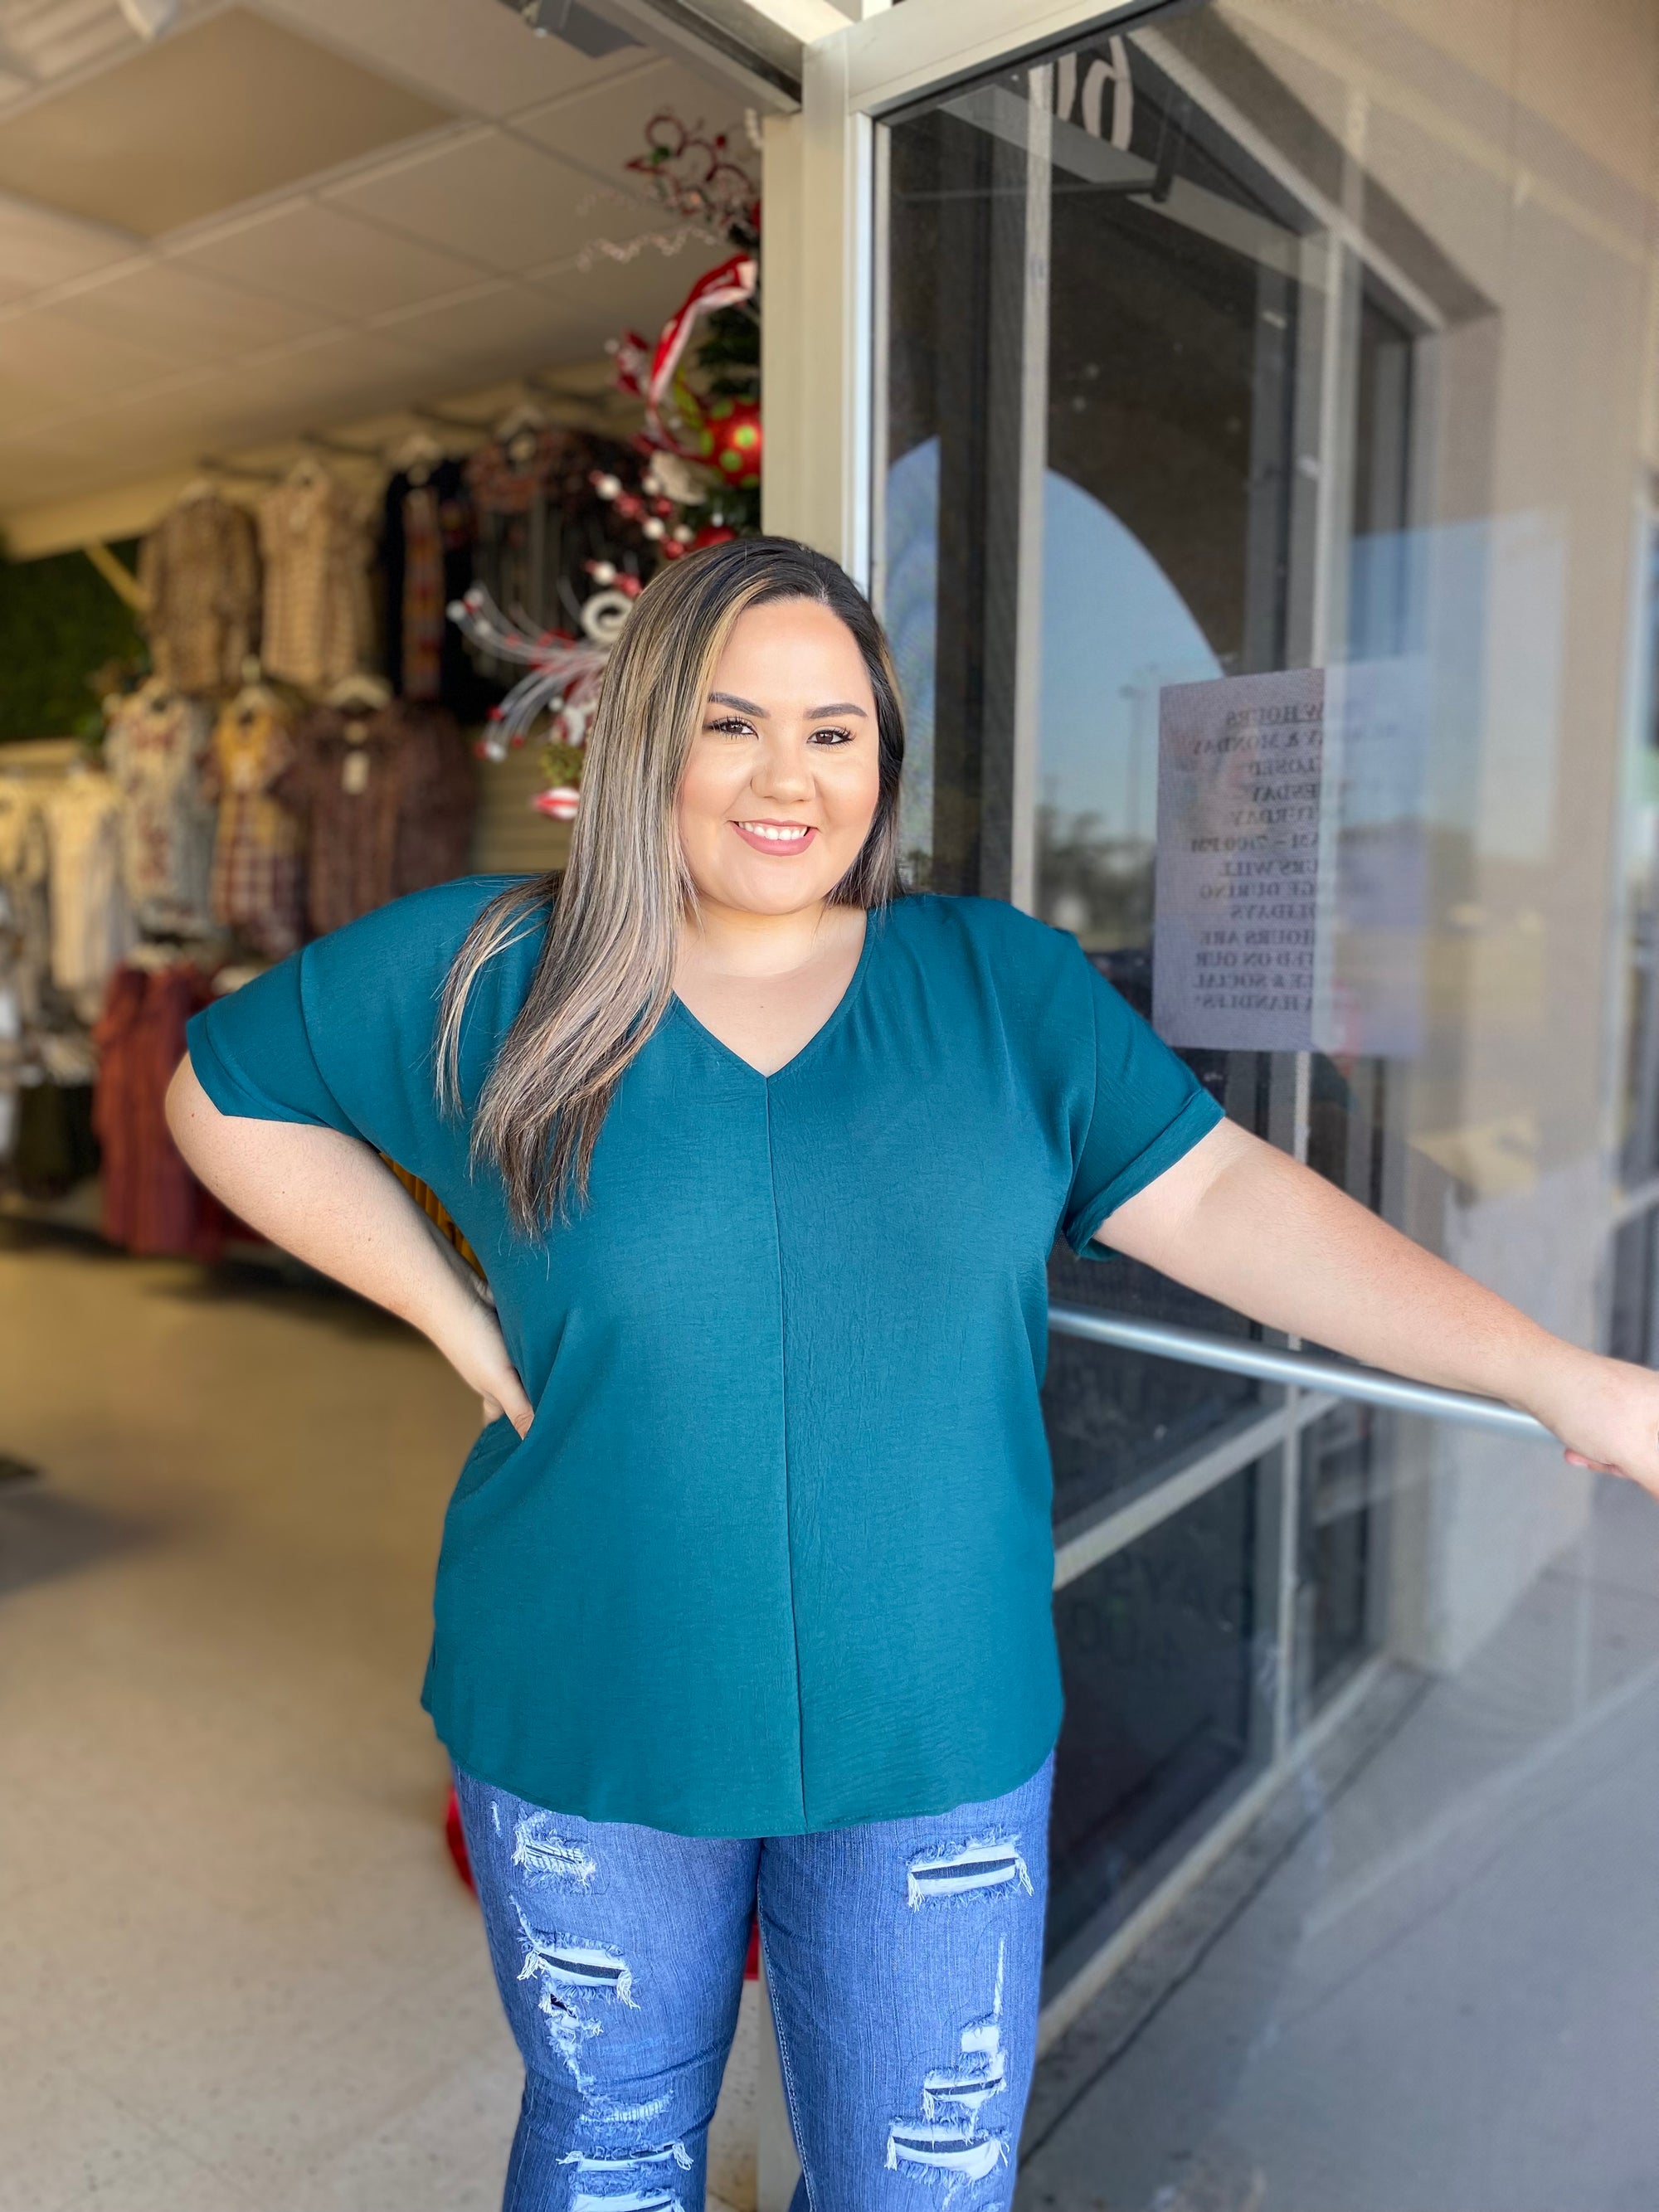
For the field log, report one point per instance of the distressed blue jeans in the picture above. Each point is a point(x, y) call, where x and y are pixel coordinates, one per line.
point(902, 1960)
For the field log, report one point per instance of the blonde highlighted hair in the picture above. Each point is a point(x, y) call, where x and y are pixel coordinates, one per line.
point(606, 973)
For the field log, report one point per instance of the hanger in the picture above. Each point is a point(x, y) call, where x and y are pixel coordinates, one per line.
point(416, 456)
point(526, 416)
point(363, 690)
point(418, 446)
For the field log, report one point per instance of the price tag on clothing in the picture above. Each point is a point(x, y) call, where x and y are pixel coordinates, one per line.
point(354, 773)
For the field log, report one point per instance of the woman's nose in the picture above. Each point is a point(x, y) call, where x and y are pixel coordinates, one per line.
point(782, 773)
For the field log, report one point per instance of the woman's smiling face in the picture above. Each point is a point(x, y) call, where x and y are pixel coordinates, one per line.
point(783, 778)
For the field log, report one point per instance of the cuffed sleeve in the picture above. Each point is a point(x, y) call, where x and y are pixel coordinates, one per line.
point(1149, 1109)
point(252, 1054)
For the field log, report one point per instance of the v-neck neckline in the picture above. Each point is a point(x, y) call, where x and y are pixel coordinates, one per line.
point(830, 1023)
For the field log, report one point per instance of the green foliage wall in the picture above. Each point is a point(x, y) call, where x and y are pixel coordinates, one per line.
point(59, 624)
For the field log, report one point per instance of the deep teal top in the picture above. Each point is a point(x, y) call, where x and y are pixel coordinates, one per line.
point(776, 1554)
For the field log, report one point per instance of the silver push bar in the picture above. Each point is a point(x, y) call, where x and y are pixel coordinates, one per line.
point(1305, 1369)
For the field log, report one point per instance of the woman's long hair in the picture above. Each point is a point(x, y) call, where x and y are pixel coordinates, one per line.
point(606, 973)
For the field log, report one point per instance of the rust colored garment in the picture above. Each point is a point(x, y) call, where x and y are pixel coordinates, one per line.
point(434, 1209)
point(199, 568)
point(387, 801)
point(256, 887)
point(151, 1201)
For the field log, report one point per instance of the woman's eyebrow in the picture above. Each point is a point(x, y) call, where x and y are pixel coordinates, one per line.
point(813, 714)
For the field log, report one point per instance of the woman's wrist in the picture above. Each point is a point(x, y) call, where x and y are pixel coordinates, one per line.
point(1557, 1382)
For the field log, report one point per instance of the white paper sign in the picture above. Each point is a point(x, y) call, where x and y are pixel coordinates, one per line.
point(1290, 874)
point(1239, 787)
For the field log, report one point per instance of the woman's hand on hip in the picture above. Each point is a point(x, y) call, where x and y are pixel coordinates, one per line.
point(470, 1338)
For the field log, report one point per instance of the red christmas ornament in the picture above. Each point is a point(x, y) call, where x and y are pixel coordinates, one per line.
point(729, 439)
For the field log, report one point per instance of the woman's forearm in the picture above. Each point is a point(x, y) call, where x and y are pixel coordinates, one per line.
point(330, 1200)
point(1248, 1226)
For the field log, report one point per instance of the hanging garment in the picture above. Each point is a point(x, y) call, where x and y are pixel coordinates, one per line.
point(256, 882)
point(155, 750)
point(318, 621)
point(345, 785)
point(387, 801)
point(92, 930)
point(25, 867)
point(426, 561)
point(540, 520)
point(439, 804)
point(199, 568)
point(151, 1201)
point(12, 1047)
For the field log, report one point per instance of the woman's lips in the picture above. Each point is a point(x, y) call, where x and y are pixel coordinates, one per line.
point(776, 837)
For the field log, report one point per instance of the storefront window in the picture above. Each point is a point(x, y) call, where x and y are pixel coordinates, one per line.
point(1244, 449)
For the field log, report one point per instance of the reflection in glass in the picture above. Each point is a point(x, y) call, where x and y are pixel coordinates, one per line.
point(1158, 1648)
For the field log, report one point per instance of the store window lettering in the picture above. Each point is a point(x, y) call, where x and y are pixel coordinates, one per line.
point(1095, 77)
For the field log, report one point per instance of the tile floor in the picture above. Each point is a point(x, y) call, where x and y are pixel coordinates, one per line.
point(236, 1968)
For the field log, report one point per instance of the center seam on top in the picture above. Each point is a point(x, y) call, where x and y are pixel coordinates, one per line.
point(783, 1419)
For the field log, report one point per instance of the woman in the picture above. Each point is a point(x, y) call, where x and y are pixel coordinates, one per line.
point(743, 1592)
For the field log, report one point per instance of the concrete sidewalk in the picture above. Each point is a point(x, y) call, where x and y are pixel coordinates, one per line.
point(1446, 1996)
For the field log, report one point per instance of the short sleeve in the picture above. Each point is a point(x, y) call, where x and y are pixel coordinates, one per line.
point(252, 1054)
point(1149, 1109)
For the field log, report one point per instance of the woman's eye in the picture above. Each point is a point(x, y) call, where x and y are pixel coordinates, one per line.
point(731, 727)
point(832, 737)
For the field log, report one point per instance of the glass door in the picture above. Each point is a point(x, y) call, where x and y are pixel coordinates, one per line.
point(1151, 427)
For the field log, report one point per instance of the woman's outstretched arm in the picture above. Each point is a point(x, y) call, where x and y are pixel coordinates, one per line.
point(1241, 1222)
point(332, 1202)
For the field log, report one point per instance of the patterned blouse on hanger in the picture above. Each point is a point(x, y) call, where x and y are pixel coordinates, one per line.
point(156, 749)
point(318, 621)
point(199, 568)
point(256, 886)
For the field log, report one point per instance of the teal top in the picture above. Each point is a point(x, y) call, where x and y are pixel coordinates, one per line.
point(776, 1554)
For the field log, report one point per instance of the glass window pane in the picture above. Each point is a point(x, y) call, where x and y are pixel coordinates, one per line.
point(1159, 1646)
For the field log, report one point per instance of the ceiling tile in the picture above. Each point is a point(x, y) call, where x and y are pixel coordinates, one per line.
point(224, 111)
point(471, 53)
point(324, 258)
point(496, 199)
point(604, 129)
point(474, 326)
point(187, 315)
point(39, 248)
point(330, 380)
point(609, 297)
point(49, 364)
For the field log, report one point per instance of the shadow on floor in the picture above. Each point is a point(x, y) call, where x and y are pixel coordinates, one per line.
point(44, 1534)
